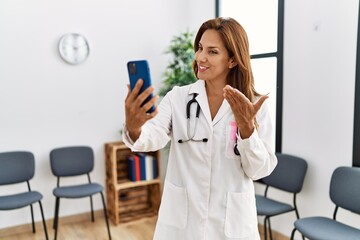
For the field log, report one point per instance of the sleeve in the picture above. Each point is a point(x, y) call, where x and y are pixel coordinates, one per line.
point(155, 133)
point(257, 152)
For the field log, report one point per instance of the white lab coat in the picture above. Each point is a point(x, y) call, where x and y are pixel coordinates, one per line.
point(208, 192)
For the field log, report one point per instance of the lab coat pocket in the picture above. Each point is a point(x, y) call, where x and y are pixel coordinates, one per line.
point(174, 206)
point(240, 219)
point(231, 130)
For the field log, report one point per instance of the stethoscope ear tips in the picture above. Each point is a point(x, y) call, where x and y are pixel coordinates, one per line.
point(180, 141)
point(205, 140)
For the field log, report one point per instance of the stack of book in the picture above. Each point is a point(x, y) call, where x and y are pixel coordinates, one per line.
point(142, 166)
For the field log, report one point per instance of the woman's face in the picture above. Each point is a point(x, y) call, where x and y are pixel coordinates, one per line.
point(212, 57)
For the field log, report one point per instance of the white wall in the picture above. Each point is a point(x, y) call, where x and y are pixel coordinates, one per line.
point(46, 103)
point(318, 101)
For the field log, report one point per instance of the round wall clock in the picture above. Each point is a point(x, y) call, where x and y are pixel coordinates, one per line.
point(74, 48)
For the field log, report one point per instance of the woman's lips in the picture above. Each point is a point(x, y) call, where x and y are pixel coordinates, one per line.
point(202, 68)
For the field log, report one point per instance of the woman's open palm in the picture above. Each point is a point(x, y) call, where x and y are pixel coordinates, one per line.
point(243, 109)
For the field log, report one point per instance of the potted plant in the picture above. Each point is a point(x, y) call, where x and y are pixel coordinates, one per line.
point(179, 71)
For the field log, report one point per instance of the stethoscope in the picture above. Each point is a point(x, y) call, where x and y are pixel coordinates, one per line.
point(191, 136)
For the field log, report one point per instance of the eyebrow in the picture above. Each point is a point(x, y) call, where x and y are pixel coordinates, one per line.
point(211, 47)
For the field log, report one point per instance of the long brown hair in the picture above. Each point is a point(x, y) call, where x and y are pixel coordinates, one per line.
point(236, 42)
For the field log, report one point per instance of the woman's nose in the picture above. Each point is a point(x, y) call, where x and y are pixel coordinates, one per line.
point(201, 56)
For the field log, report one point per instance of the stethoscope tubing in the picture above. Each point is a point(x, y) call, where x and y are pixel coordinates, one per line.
point(191, 136)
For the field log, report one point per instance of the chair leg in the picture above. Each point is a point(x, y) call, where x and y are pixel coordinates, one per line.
point(43, 219)
point(265, 228)
point(32, 218)
point(105, 214)
point(293, 234)
point(298, 216)
point(56, 219)
point(270, 232)
point(56, 210)
point(92, 209)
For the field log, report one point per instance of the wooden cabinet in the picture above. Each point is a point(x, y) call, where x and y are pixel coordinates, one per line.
point(127, 200)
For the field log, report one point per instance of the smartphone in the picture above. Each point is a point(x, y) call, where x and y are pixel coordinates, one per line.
point(140, 69)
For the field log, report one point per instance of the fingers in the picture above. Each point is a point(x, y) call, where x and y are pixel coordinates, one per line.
point(143, 96)
point(135, 100)
point(132, 95)
point(129, 91)
point(235, 98)
point(228, 95)
point(135, 109)
point(235, 94)
point(260, 102)
point(153, 114)
point(147, 106)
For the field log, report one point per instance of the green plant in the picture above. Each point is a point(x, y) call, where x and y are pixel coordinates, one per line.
point(179, 72)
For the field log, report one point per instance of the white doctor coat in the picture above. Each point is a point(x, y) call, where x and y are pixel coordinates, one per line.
point(208, 192)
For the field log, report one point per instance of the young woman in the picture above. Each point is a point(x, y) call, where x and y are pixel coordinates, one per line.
point(220, 132)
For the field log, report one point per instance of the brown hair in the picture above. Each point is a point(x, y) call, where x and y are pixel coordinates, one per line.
point(236, 42)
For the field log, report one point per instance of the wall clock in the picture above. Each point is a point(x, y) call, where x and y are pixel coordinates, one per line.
point(74, 48)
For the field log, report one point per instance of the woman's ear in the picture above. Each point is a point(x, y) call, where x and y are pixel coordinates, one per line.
point(232, 63)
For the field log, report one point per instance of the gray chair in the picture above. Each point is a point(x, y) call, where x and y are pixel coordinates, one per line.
point(288, 176)
point(344, 193)
point(19, 167)
point(69, 162)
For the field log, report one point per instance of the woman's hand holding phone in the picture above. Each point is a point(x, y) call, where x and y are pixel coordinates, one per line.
point(135, 111)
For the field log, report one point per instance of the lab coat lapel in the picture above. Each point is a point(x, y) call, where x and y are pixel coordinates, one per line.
point(224, 109)
point(201, 98)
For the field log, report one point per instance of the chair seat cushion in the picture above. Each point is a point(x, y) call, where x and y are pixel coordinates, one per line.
point(268, 207)
point(19, 200)
point(323, 228)
point(78, 191)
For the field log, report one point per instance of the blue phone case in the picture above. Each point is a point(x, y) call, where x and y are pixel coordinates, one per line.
point(140, 69)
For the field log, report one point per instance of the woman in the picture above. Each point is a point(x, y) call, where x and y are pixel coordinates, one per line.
point(214, 158)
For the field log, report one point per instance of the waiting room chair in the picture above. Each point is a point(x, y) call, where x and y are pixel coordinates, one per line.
point(288, 176)
point(75, 161)
point(19, 167)
point(344, 193)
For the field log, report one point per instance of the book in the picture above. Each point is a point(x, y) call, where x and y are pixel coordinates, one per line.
point(131, 168)
point(142, 166)
point(142, 157)
point(149, 167)
point(155, 168)
point(137, 167)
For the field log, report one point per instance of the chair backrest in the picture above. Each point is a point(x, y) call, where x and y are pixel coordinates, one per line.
point(289, 174)
point(71, 161)
point(16, 167)
point(345, 188)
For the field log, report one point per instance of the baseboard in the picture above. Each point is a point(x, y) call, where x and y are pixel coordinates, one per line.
point(49, 223)
point(276, 235)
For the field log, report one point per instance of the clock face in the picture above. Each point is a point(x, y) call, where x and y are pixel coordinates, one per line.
point(74, 48)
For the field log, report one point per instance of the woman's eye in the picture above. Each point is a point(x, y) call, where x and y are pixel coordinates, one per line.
point(213, 52)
